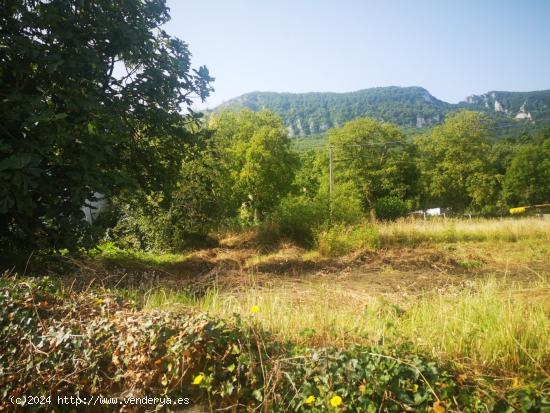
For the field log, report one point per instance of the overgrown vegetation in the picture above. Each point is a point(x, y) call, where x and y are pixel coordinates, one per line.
point(246, 174)
point(113, 349)
point(330, 295)
point(487, 326)
point(74, 129)
point(415, 232)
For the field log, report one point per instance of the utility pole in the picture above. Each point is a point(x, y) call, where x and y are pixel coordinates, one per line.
point(330, 177)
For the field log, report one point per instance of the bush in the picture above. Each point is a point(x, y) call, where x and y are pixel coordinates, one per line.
point(138, 230)
point(111, 349)
point(154, 228)
point(297, 218)
point(341, 240)
point(391, 207)
point(347, 206)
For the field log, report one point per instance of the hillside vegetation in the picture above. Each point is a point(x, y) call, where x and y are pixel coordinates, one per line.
point(305, 114)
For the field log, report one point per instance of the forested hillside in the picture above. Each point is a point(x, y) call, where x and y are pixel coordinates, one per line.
point(307, 114)
point(533, 106)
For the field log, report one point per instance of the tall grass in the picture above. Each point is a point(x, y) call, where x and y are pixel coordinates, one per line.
point(341, 239)
point(488, 326)
point(412, 232)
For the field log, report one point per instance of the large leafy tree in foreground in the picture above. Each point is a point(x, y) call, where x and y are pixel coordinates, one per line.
point(91, 96)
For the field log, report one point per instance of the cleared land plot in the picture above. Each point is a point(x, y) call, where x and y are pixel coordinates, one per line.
point(474, 292)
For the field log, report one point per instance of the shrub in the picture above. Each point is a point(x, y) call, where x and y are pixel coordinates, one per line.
point(347, 206)
point(153, 228)
point(340, 240)
point(391, 207)
point(297, 218)
point(268, 233)
point(111, 349)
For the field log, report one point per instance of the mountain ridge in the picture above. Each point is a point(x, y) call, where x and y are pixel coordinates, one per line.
point(313, 113)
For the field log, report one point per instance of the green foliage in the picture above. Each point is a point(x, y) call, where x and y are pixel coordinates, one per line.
point(310, 143)
point(268, 170)
point(368, 381)
point(258, 157)
point(113, 256)
point(197, 204)
point(111, 349)
point(527, 180)
point(157, 229)
point(346, 202)
point(309, 115)
point(376, 158)
point(314, 113)
point(391, 207)
point(297, 218)
point(456, 165)
point(341, 239)
point(72, 125)
point(308, 177)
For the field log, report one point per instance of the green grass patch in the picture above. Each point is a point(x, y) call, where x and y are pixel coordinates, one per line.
point(341, 240)
point(109, 252)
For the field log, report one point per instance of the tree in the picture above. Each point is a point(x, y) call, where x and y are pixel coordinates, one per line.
point(259, 158)
point(308, 176)
point(456, 167)
point(91, 100)
point(195, 207)
point(376, 158)
point(527, 180)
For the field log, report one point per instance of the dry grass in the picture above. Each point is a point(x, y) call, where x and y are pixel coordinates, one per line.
point(416, 231)
point(484, 324)
point(342, 240)
point(475, 292)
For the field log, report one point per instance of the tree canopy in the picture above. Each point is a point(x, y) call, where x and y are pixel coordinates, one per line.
point(258, 157)
point(455, 157)
point(527, 180)
point(377, 158)
point(97, 108)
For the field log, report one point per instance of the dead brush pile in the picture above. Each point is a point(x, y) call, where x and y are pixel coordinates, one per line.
point(55, 342)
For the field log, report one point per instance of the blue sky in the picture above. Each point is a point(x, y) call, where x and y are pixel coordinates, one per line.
point(453, 48)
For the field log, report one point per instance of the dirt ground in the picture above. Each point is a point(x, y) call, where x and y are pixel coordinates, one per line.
point(398, 271)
